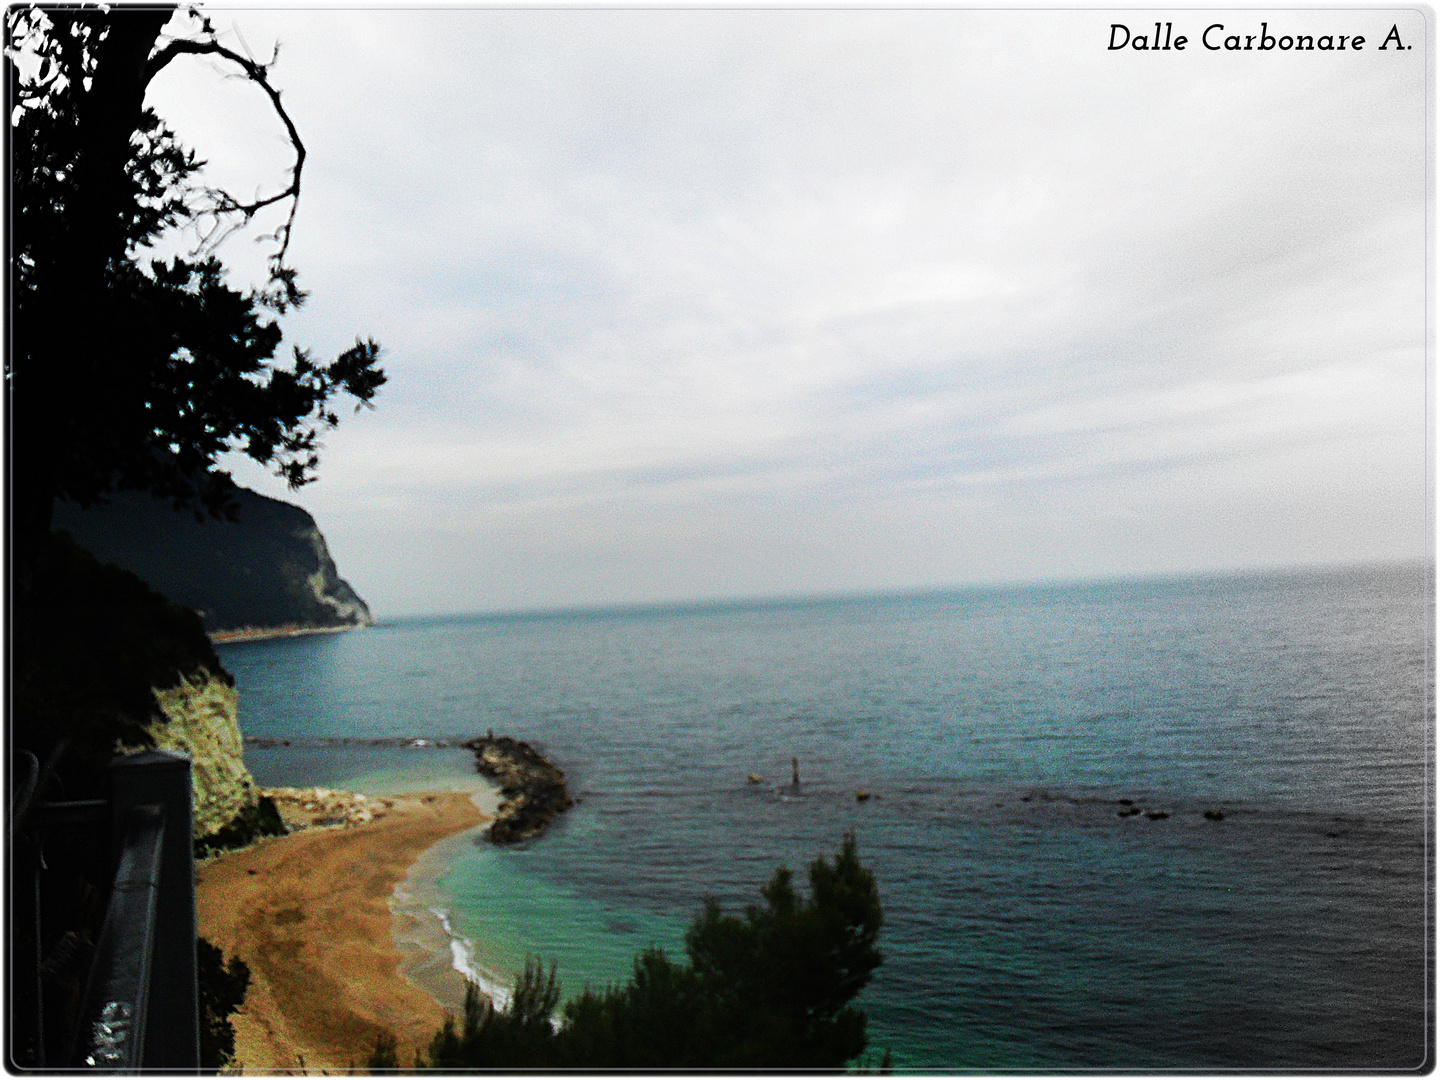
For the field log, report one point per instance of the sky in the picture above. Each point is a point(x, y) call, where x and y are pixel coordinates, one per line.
point(699, 304)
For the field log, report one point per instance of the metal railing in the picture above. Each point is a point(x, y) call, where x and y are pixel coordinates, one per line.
point(119, 990)
point(140, 1008)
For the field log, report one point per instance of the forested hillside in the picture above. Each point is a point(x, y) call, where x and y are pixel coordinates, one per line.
point(269, 568)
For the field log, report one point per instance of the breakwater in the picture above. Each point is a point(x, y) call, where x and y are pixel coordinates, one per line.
point(534, 789)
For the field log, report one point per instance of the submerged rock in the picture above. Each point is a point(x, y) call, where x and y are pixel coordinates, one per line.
point(533, 788)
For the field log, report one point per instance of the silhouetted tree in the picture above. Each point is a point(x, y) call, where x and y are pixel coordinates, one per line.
point(124, 371)
point(222, 988)
point(383, 1055)
point(770, 989)
point(128, 371)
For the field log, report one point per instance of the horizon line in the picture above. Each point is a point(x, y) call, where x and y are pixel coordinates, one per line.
point(798, 599)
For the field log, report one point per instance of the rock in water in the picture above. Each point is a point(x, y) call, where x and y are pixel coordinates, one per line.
point(534, 789)
point(270, 569)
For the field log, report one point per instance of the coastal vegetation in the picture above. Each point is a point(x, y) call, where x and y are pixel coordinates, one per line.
point(268, 569)
point(126, 372)
point(771, 988)
point(98, 642)
point(222, 989)
point(171, 366)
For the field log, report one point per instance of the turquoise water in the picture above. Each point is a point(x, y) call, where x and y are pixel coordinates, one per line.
point(1029, 926)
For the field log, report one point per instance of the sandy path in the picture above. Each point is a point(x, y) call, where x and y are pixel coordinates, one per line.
point(309, 914)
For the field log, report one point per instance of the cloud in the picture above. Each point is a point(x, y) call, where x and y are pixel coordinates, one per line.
point(711, 266)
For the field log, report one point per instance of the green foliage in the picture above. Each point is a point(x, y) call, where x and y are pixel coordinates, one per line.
point(222, 990)
point(522, 1037)
point(125, 371)
point(769, 989)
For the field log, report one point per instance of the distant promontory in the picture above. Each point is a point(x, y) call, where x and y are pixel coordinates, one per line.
point(269, 573)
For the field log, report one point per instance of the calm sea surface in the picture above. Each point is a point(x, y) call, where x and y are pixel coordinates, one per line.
point(1028, 926)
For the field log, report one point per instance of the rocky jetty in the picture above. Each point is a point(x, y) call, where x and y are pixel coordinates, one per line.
point(533, 788)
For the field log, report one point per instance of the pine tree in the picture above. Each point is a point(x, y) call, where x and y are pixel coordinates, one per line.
point(770, 989)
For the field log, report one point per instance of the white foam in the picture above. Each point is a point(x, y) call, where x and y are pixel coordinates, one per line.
point(462, 959)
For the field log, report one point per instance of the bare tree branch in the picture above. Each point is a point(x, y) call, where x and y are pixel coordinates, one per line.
point(225, 204)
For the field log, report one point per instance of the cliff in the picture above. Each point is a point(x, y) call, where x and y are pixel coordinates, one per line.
point(269, 569)
point(104, 662)
point(200, 720)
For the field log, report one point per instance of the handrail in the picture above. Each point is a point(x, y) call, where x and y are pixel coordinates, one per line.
point(140, 1007)
point(118, 990)
point(75, 812)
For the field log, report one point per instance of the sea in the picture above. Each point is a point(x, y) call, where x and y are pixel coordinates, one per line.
point(1269, 906)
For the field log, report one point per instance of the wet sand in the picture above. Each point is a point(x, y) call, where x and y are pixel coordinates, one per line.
point(309, 913)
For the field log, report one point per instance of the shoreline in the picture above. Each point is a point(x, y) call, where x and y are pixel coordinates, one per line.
point(313, 915)
point(437, 958)
point(271, 633)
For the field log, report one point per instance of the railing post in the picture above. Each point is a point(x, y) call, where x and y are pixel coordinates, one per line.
point(172, 1036)
point(117, 992)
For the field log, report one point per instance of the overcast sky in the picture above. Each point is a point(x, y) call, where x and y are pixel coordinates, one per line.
point(701, 304)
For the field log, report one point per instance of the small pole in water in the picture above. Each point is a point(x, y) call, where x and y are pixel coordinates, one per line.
point(795, 771)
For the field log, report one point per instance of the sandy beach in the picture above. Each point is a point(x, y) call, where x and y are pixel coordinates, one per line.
point(309, 913)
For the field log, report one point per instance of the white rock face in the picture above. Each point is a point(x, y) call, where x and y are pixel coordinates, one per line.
point(328, 588)
point(202, 722)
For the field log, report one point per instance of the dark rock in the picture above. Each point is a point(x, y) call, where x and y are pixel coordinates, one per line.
point(1157, 815)
point(259, 819)
point(1214, 815)
point(533, 788)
